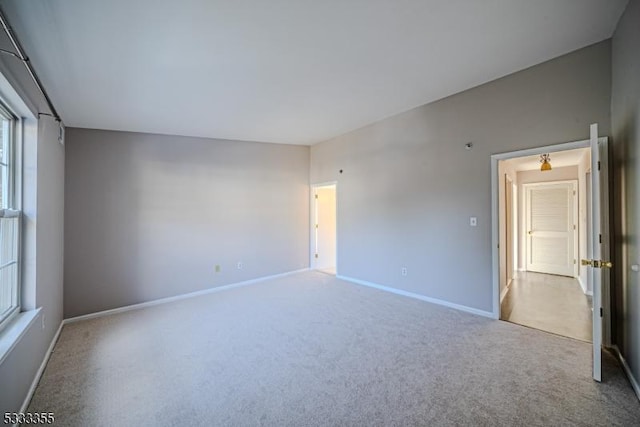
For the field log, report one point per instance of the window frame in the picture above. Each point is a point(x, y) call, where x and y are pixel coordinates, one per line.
point(10, 205)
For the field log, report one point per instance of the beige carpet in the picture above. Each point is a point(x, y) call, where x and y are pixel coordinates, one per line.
point(309, 349)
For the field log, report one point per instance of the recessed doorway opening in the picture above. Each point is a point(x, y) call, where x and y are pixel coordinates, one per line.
point(543, 219)
point(323, 253)
point(592, 251)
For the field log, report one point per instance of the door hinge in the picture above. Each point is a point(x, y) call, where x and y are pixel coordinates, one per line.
point(574, 226)
point(316, 255)
point(574, 192)
point(316, 196)
point(316, 226)
point(600, 238)
point(598, 164)
point(574, 261)
point(601, 312)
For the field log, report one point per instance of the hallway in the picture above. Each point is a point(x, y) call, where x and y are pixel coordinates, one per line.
point(550, 303)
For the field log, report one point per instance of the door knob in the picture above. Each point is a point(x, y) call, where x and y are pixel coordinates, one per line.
point(595, 263)
point(606, 264)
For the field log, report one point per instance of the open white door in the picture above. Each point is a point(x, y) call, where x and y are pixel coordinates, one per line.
point(599, 250)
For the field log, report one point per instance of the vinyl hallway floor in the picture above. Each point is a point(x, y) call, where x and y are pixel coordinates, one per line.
point(550, 303)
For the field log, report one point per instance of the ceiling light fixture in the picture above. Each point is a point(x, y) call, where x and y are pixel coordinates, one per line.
point(545, 159)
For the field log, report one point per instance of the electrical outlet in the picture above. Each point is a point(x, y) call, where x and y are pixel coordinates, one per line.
point(217, 268)
point(403, 271)
point(473, 221)
point(239, 265)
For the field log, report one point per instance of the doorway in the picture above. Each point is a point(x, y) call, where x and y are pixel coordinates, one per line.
point(596, 262)
point(540, 226)
point(323, 252)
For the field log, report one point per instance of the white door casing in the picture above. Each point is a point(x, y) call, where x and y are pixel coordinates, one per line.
point(509, 248)
point(496, 183)
point(599, 265)
point(551, 219)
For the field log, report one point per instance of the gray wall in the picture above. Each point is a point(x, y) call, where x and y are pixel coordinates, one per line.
point(625, 117)
point(43, 238)
point(409, 186)
point(149, 216)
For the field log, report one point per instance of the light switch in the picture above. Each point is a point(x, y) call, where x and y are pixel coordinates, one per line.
point(473, 221)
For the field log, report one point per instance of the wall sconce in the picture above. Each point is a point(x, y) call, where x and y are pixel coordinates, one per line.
point(545, 159)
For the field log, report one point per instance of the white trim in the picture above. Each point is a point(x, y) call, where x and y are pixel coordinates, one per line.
point(584, 287)
point(418, 296)
point(9, 213)
point(179, 297)
point(585, 143)
point(627, 370)
point(43, 365)
point(495, 237)
point(324, 184)
point(14, 330)
point(546, 183)
point(605, 247)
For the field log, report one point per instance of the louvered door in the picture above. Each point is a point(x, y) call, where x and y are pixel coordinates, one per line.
point(550, 227)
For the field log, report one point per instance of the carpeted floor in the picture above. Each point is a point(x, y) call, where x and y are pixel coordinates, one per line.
point(309, 349)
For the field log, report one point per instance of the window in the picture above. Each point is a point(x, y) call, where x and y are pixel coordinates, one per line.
point(9, 219)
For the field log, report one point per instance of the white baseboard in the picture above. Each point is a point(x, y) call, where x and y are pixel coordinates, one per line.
point(13, 333)
point(178, 297)
point(418, 296)
point(583, 286)
point(625, 366)
point(36, 379)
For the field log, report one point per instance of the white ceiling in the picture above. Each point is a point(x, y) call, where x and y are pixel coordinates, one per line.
point(558, 159)
point(285, 71)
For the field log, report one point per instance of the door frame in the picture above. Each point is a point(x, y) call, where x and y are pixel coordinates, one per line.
point(508, 235)
point(312, 219)
point(574, 216)
point(495, 212)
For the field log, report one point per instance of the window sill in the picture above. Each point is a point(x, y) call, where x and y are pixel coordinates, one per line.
point(14, 331)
